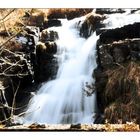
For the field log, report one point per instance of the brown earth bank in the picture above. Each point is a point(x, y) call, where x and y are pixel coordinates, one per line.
point(25, 64)
point(129, 127)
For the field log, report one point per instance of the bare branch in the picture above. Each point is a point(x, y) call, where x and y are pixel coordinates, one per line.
point(8, 14)
point(14, 98)
point(6, 29)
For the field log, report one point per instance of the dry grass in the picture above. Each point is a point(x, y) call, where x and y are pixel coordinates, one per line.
point(129, 127)
point(124, 80)
point(12, 21)
point(67, 13)
point(8, 26)
point(16, 17)
point(122, 93)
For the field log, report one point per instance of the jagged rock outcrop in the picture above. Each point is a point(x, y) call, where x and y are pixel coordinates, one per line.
point(52, 22)
point(46, 62)
point(103, 11)
point(118, 52)
point(128, 31)
point(117, 74)
point(91, 23)
point(48, 36)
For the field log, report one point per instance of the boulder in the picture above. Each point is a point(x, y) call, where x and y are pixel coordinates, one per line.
point(48, 36)
point(109, 10)
point(46, 62)
point(118, 52)
point(91, 23)
point(51, 22)
point(126, 32)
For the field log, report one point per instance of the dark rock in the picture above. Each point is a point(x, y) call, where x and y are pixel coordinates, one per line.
point(46, 62)
point(48, 36)
point(118, 56)
point(109, 10)
point(51, 23)
point(99, 119)
point(118, 67)
point(118, 52)
point(100, 84)
point(134, 10)
point(75, 126)
point(51, 47)
point(91, 23)
point(100, 30)
point(29, 42)
point(3, 33)
point(4, 111)
point(126, 32)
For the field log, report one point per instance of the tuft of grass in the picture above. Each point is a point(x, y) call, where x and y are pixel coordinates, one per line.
point(67, 13)
point(123, 80)
point(122, 93)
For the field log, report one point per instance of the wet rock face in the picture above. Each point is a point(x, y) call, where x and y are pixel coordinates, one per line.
point(46, 62)
point(51, 23)
point(109, 11)
point(118, 52)
point(128, 31)
point(48, 36)
point(92, 22)
point(118, 56)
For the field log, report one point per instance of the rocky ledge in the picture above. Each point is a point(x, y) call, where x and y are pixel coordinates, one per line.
point(117, 74)
point(129, 127)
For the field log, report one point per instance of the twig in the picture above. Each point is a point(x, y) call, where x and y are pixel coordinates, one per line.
point(2, 45)
point(14, 98)
point(6, 29)
point(1, 22)
point(120, 65)
point(8, 14)
point(13, 75)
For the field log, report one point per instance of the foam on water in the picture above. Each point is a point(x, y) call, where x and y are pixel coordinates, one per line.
point(62, 100)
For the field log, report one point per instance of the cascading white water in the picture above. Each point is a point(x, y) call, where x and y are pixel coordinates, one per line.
point(62, 101)
point(120, 19)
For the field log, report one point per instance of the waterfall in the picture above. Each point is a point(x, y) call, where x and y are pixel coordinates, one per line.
point(121, 19)
point(62, 100)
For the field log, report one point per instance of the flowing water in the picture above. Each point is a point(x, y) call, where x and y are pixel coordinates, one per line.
point(120, 19)
point(63, 100)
